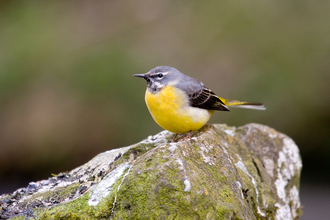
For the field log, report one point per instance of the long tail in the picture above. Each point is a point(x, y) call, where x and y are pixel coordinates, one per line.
point(242, 104)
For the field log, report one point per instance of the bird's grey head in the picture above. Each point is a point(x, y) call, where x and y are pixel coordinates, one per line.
point(161, 76)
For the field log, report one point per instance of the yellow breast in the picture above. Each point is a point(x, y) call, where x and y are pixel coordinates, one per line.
point(170, 109)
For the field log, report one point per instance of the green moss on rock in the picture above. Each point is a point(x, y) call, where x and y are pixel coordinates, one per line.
point(221, 173)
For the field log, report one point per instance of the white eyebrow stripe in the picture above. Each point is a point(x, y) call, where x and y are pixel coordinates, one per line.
point(156, 74)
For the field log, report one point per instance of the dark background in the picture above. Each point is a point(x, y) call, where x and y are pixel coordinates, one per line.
point(67, 91)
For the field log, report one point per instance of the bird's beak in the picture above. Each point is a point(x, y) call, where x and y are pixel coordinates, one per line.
point(140, 75)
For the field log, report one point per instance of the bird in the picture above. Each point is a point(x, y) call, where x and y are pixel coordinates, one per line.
point(181, 104)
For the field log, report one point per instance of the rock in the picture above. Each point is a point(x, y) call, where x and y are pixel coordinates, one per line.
point(250, 172)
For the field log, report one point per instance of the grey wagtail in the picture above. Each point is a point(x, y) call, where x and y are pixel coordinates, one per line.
point(181, 104)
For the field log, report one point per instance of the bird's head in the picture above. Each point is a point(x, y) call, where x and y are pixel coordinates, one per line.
point(160, 76)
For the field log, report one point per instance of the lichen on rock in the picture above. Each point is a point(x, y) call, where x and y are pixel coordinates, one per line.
point(249, 172)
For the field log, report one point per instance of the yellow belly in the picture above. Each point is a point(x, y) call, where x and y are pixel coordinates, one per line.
point(173, 113)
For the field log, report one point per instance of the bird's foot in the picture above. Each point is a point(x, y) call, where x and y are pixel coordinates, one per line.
point(187, 137)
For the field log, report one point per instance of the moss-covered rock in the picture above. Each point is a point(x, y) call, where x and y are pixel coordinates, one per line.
point(250, 172)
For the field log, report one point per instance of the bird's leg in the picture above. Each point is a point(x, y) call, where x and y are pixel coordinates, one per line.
point(174, 137)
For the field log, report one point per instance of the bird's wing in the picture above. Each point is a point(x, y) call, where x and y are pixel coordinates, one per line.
point(206, 99)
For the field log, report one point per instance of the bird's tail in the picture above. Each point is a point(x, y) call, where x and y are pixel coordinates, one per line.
point(242, 104)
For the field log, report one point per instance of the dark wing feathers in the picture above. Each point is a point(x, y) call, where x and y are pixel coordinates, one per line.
point(199, 95)
point(206, 99)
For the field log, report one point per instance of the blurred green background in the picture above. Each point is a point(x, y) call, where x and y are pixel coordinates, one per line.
point(67, 91)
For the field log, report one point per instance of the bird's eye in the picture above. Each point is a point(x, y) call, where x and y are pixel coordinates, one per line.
point(160, 75)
